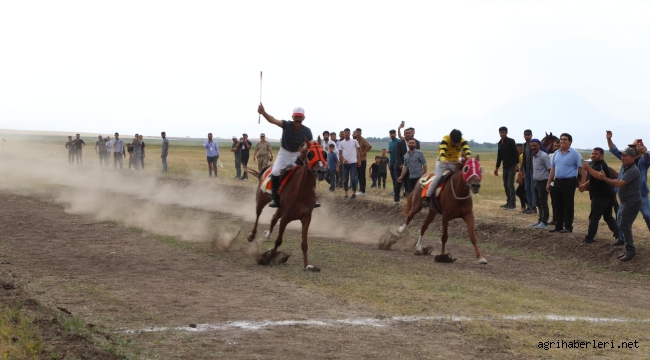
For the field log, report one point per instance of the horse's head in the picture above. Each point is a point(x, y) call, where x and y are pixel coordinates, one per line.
point(548, 141)
point(472, 174)
point(315, 158)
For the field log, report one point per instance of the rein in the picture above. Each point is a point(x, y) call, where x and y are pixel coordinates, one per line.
point(453, 191)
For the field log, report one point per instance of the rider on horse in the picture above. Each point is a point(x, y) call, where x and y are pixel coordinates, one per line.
point(293, 137)
point(451, 148)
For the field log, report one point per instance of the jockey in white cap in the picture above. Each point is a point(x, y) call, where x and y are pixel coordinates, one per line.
point(293, 137)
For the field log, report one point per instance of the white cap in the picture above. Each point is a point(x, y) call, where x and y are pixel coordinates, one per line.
point(298, 111)
point(234, 136)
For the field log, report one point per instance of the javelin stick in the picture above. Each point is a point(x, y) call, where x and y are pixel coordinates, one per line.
point(258, 115)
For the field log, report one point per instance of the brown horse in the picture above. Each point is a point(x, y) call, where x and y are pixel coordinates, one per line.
point(547, 142)
point(455, 201)
point(296, 201)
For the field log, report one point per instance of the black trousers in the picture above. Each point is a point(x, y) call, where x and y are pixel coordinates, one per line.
point(541, 197)
point(602, 208)
point(565, 190)
point(244, 162)
point(521, 194)
point(362, 176)
point(381, 177)
point(411, 183)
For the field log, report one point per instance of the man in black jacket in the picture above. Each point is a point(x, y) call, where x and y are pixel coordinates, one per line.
point(509, 155)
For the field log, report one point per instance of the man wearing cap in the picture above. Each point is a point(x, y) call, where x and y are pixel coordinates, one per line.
point(642, 161)
point(245, 153)
point(630, 197)
point(118, 151)
point(293, 137)
point(212, 154)
point(236, 149)
point(541, 171)
point(263, 153)
point(564, 172)
point(451, 149)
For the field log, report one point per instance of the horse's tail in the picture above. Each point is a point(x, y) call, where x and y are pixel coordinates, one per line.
point(409, 204)
point(253, 172)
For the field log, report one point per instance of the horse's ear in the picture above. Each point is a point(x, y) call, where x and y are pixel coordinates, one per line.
point(478, 157)
point(318, 141)
point(545, 133)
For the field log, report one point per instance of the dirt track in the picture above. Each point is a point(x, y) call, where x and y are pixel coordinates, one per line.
point(121, 279)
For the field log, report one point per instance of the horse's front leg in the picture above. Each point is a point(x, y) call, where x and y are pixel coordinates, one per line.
point(258, 210)
point(445, 233)
point(415, 209)
point(469, 221)
point(425, 225)
point(274, 220)
point(305, 229)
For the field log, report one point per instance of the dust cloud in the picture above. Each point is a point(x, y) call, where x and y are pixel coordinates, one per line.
point(182, 208)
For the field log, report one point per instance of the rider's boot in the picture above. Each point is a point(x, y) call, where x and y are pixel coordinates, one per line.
point(275, 186)
point(317, 204)
point(426, 202)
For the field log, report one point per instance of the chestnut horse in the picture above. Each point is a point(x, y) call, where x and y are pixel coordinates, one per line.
point(296, 201)
point(547, 142)
point(455, 201)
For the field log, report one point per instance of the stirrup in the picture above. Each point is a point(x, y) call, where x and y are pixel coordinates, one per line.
point(426, 202)
point(273, 204)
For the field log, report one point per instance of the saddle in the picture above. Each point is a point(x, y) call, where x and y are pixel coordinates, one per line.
point(285, 174)
point(425, 182)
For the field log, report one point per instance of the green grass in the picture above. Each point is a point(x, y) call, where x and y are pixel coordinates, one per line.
point(19, 336)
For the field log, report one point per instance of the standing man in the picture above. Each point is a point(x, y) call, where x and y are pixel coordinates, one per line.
point(564, 172)
point(509, 155)
point(109, 150)
point(263, 153)
point(401, 150)
point(100, 149)
point(416, 164)
point(293, 137)
point(236, 149)
point(142, 155)
point(164, 150)
point(642, 161)
point(527, 170)
point(245, 154)
point(118, 152)
point(630, 197)
point(212, 154)
point(339, 172)
point(541, 171)
point(78, 145)
point(362, 163)
point(137, 152)
point(71, 150)
point(451, 149)
point(392, 146)
point(349, 153)
point(601, 194)
point(556, 149)
point(332, 165)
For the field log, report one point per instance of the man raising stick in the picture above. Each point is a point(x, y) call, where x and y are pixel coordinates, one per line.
point(293, 137)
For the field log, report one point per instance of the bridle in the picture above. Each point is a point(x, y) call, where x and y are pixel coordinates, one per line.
point(471, 168)
point(315, 154)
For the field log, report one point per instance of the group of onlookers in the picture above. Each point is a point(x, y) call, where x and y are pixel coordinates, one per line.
point(105, 146)
point(555, 171)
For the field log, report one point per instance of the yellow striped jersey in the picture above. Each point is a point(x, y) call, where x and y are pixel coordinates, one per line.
point(451, 153)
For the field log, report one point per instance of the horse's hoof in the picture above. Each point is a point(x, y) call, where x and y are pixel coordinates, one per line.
point(424, 251)
point(250, 238)
point(400, 229)
point(267, 234)
point(482, 261)
point(312, 268)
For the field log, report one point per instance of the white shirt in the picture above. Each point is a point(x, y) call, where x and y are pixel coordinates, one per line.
point(109, 145)
point(348, 148)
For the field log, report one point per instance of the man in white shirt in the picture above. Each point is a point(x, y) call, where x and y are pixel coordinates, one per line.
point(349, 153)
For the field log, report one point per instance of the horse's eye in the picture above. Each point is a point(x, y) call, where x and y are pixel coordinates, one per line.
point(310, 155)
point(465, 169)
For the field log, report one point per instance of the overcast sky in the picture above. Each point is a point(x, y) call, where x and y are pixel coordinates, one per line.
point(192, 67)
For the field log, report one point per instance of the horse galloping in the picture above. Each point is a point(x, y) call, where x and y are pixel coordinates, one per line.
point(455, 201)
point(296, 202)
